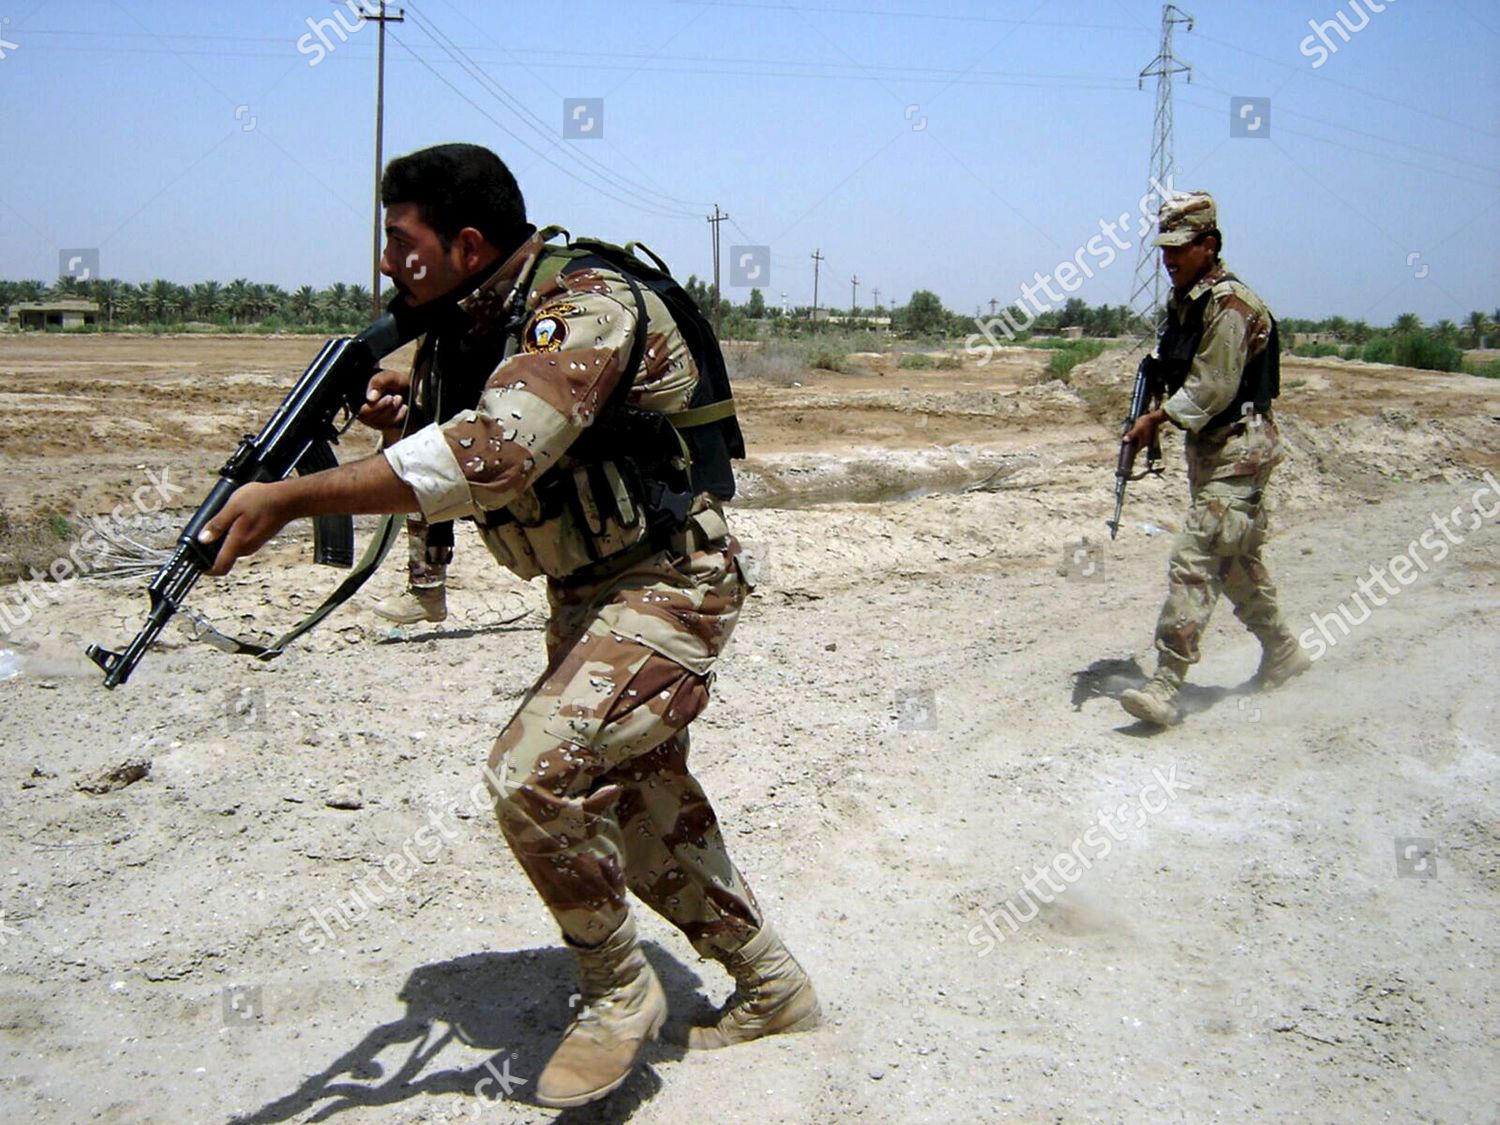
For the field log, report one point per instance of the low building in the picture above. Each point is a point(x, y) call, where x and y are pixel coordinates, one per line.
point(69, 312)
point(878, 324)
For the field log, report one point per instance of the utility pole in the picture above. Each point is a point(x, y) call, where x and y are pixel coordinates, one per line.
point(714, 220)
point(993, 303)
point(854, 297)
point(382, 19)
point(877, 299)
point(1145, 296)
point(817, 257)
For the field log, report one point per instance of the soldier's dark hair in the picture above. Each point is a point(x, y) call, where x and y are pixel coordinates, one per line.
point(457, 186)
point(1218, 238)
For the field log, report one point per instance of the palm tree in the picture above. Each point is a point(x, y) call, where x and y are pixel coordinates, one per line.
point(1446, 331)
point(237, 300)
point(1478, 326)
point(163, 297)
point(206, 297)
point(1360, 332)
point(274, 301)
point(357, 305)
point(139, 301)
point(109, 292)
point(332, 301)
point(303, 303)
point(1407, 322)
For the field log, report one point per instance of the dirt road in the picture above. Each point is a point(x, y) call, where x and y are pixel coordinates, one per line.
point(1017, 903)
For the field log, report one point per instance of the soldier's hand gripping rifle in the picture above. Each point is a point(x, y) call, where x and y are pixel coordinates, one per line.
point(1145, 397)
point(298, 437)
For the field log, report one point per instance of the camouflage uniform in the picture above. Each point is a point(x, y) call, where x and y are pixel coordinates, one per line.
point(590, 777)
point(428, 553)
point(1219, 547)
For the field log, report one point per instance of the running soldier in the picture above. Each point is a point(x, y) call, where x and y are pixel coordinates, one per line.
point(580, 417)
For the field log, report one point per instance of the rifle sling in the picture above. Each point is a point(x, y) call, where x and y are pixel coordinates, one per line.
point(374, 555)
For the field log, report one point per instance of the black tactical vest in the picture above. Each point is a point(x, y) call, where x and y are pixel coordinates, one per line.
point(1260, 381)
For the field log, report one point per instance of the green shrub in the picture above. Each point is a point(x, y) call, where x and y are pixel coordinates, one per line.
point(1315, 350)
point(1414, 349)
point(827, 358)
point(1069, 355)
point(949, 362)
point(1485, 369)
point(915, 361)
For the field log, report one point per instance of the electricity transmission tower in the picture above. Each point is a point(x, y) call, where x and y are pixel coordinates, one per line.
point(1145, 293)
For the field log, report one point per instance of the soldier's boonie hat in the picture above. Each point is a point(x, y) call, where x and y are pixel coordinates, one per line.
point(1184, 217)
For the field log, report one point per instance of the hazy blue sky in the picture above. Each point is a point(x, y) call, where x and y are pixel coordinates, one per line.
point(961, 147)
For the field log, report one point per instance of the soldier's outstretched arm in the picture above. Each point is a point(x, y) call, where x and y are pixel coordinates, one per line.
point(258, 511)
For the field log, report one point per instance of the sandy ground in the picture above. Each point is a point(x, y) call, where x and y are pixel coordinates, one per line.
point(1282, 909)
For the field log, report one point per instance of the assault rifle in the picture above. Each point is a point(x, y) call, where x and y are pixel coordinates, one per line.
point(1145, 397)
point(299, 437)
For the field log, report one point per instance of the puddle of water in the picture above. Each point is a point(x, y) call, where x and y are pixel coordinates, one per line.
point(10, 664)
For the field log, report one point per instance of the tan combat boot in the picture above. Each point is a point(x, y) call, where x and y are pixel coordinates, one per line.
point(773, 995)
point(1280, 661)
point(1156, 701)
point(620, 1006)
point(415, 604)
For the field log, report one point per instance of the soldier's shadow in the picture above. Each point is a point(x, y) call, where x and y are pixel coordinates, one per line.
point(1106, 679)
point(514, 1005)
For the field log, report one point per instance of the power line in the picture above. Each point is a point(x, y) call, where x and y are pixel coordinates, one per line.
point(1360, 90)
point(541, 154)
point(1282, 110)
point(925, 15)
point(539, 126)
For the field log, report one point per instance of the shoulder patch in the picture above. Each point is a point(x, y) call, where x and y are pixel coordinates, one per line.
point(548, 327)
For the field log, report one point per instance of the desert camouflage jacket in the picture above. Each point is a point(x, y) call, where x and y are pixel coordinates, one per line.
point(1236, 329)
point(574, 346)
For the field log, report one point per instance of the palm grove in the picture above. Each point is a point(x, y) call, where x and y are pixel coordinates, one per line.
point(252, 306)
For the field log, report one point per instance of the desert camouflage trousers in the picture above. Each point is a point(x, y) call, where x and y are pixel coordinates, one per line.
point(590, 777)
point(429, 550)
point(1218, 551)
